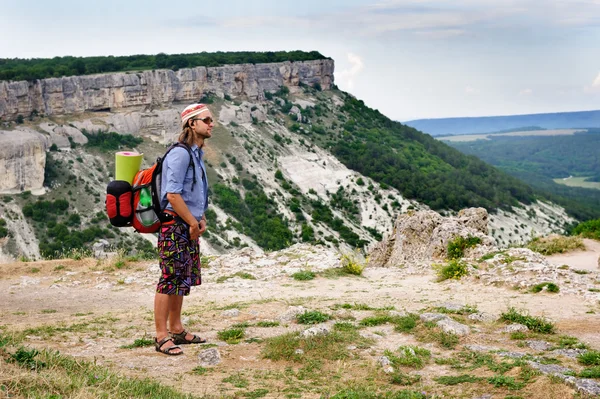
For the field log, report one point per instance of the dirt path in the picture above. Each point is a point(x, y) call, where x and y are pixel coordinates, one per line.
point(584, 259)
point(88, 309)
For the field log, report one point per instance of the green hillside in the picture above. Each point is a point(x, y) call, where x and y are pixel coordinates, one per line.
point(421, 167)
point(538, 160)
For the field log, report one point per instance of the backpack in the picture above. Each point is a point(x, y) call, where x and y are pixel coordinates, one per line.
point(138, 204)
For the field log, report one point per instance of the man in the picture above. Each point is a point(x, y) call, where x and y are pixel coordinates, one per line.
point(186, 197)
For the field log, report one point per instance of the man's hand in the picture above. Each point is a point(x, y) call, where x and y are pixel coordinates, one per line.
point(195, 231)
point(202, 226)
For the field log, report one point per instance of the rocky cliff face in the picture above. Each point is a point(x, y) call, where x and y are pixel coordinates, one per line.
point(158, 88)
point(22, 160)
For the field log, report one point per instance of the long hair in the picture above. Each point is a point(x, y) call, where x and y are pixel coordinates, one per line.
point(187, 135)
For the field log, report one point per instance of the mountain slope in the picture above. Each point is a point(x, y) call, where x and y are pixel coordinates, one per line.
point(280, 170)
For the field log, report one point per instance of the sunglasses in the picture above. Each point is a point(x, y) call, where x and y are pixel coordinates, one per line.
point(208, 120)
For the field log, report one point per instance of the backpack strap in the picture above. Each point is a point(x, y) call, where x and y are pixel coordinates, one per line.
point(158, 171)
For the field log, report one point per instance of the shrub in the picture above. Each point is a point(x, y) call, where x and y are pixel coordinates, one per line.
point(456, 247)
point(455, 269)
point(303, 275)
point(550, 287)
point(555, 244)
point(590, 358)
point(353, 263)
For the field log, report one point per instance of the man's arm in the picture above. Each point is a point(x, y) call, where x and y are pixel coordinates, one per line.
point(183, 212)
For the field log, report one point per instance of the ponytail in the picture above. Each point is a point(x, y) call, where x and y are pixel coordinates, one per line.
point(186, 136)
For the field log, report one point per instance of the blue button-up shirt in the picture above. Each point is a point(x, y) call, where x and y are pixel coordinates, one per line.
point(177, 178)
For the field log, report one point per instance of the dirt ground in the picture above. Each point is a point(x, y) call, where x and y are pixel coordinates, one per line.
point(89, 309)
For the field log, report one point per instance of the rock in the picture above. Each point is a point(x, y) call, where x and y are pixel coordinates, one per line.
point(553, 369)
point(486, 396)
point(299, 352)
point(539, 346)
point(231, 313)
point(388, 369)
point(99, 249)
point(313, 331)
point(429, 317)
point(571, 353)
point(425, 235)
point(291, 313)
point(483, 317)
point(22, 161)
point(453, 327)
point(451, 306)
point(515, 328)
point(586, 386)
point(209, 357)
point(156, 88)
point(481, 348)
point(384, 361)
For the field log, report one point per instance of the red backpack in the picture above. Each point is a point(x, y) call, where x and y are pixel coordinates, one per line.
point(138, 205)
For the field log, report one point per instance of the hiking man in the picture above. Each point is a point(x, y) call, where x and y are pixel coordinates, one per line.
point(186, 198)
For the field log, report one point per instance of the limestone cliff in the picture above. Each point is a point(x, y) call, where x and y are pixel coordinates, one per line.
point(22, 160)
point(157, 88)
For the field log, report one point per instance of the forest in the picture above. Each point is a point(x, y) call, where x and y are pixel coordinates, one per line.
point(421, 167)
point(16, 69)
point(538, 159)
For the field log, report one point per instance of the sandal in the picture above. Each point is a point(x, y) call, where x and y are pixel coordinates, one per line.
point(167, 351)
point(180, 339)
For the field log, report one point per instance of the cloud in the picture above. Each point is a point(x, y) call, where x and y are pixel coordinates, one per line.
point(347, 76)
point(526, 92)
point(595, 87)
point(471, 90)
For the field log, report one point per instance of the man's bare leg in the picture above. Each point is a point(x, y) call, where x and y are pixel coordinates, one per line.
point(161, 315)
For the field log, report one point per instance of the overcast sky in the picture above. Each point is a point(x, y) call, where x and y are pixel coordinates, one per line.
point(408, 58)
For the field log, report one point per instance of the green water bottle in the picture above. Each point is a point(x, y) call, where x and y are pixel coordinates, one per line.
point(147, 216)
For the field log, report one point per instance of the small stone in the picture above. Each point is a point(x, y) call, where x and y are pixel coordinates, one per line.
point(515, 328)
point(311, 332)
point(291, 313)
point(231, 313)
point(299, 352)
point(388, 370)
point(539, 346)
point(428, 317)
point(481, 348)
point(209, 357)
point(384, 361)
point(483, 317)
point(351, 347)
point(453, 327)
point(451, 306)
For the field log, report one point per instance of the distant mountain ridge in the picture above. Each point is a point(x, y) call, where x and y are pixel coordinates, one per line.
point(493, 124)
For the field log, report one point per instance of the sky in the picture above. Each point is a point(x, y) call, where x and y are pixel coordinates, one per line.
point(410, 59)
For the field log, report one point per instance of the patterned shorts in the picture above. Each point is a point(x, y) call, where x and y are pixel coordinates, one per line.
point(179, 259)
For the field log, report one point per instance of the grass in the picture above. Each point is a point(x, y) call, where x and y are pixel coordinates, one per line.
point(312, 317)
point(267, 324)
point(567, 342)
point(454, 269)
point(232, 335)
point(332, 346)
point(400, 378)
point(304, 275)
point(409, 356)
point(369, 393)
point(139, 343)
point(59, 376)
point(237, 380)
point(244, 275)
point(550, 287)
point(590, 358)
point(456, 379)
point(593, 372)
point(536, 324)
point(555, 244)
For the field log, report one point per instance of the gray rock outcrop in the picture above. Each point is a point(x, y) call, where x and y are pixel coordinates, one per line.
point(22, 161)
point(156, 88)
point(425, 235)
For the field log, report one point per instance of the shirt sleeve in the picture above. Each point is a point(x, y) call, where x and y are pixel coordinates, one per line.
point(177, 162)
